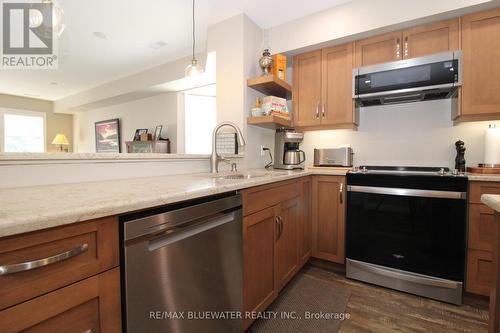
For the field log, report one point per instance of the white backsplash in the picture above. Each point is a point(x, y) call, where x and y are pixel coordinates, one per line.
point(420, 134)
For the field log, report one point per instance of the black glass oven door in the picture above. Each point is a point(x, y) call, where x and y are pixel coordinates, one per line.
point(419, 234)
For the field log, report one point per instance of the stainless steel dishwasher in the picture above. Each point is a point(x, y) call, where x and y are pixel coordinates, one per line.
point(183, 267)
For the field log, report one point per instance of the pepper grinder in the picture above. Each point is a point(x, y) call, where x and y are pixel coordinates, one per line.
point(460, 159)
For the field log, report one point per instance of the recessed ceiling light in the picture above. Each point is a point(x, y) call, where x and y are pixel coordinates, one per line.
point(157, 45)
point(100, 34)
point(53, 83)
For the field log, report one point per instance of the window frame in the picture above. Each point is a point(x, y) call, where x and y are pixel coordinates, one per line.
point(28, 113)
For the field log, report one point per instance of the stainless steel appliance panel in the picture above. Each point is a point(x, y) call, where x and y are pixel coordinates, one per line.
point(333, 157)
point(182, 264)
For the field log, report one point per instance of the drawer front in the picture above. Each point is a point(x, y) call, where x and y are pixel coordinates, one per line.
point(479, 188)
point(91, 305)
point(64, 255)
point(262, 197)
point(481, 227)
point(479, 272)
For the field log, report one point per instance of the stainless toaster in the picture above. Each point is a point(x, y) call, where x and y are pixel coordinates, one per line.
point(333, 157)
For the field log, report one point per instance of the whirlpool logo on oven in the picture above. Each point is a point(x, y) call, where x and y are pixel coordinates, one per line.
point(29, 36)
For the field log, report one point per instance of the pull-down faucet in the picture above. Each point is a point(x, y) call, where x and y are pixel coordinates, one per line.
point(215, 158)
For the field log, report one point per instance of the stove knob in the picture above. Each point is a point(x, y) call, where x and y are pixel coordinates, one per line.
point(442, 172)
point(364, 170)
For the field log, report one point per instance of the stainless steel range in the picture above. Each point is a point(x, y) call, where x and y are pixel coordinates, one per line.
point(406, 230)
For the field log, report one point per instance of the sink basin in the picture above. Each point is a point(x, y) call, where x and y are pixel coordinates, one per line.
point(235, 176)
point(241, 175)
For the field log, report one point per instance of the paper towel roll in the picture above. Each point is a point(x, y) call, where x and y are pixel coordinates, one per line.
point(492, 146)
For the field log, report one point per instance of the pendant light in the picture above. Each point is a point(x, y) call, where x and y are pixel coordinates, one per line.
point(194, 68)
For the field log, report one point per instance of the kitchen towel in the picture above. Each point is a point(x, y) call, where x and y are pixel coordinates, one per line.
point(492, 146)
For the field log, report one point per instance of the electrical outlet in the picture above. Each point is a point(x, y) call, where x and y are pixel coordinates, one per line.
point(262, 151)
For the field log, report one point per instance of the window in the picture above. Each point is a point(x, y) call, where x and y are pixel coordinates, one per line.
point(23, 132)
point(200, 120)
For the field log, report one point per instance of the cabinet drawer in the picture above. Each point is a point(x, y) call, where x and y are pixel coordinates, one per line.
point(479, 272)
point(64, 255)
point(91, 305)
point(479, 188)
point(481, 227)
point(262, 197)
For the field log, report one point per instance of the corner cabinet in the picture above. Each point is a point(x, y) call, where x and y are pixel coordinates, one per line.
point(481, 67)
point(275, 244)
point(328, 218)
point(322, 89)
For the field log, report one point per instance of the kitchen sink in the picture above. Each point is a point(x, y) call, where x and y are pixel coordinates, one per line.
point(242, 175)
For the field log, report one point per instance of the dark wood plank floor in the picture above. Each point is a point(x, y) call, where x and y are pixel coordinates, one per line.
point(377, 309)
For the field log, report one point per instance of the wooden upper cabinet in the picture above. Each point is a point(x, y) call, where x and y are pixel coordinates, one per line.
point(287, 257)
point(328, 216)
point(336, 84)
point(379, 49)
point(307, 89)
point(481, 66)
point(431, 38)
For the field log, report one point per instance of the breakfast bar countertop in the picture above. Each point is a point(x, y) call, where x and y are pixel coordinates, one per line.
point(492, 201)
point(26, 209)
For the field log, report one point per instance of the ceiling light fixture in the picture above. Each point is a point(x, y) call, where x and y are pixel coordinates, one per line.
point(36, 18)
point(100, 34)
point(157, 45)
point(194, 68)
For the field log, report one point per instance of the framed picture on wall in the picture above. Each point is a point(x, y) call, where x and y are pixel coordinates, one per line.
point(107, 136)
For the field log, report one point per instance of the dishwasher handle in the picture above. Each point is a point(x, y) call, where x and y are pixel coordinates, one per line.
point(179, 233)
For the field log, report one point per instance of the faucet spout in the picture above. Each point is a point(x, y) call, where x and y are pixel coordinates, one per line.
point(215, 158)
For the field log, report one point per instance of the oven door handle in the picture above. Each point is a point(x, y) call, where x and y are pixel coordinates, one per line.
point(407, 192)
point(406, 276)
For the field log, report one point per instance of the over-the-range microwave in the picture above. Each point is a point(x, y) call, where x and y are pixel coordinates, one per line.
point(425, 78)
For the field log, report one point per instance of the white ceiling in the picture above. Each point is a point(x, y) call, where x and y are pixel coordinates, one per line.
point(86, 61)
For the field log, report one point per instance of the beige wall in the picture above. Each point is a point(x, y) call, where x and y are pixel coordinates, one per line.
point(55, 123)
point(142, 113)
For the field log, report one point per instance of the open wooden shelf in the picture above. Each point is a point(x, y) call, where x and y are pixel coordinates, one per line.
point(271, 85)
point(271, 122)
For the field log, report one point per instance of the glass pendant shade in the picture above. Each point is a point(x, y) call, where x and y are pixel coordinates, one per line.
point(193, 69)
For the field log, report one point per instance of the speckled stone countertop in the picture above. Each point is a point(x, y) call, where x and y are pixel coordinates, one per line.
point(480, 177)
point(492, 201)
point(40, 207)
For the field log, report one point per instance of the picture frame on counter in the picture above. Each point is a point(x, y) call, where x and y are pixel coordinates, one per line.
point(157, 134)
point(107, 136)
point(139, 132)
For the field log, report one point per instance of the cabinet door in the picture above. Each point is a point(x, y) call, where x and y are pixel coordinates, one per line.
point(379, 49)
point(287, 258)
point(258, 257)
point(336, 85)
point(304, 229)
point(328, 215)
point(481, 66)
point(307, 89)
point(481, 227)
point(431, 38)
point(479, 272)
point(91, 305)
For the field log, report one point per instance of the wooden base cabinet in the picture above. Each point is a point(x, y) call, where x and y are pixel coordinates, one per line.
point(328, 218)
point(480, 239)
point(275, 227)
point(91, 305)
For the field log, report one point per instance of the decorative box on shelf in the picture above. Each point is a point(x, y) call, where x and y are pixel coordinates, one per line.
point(154, 146)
